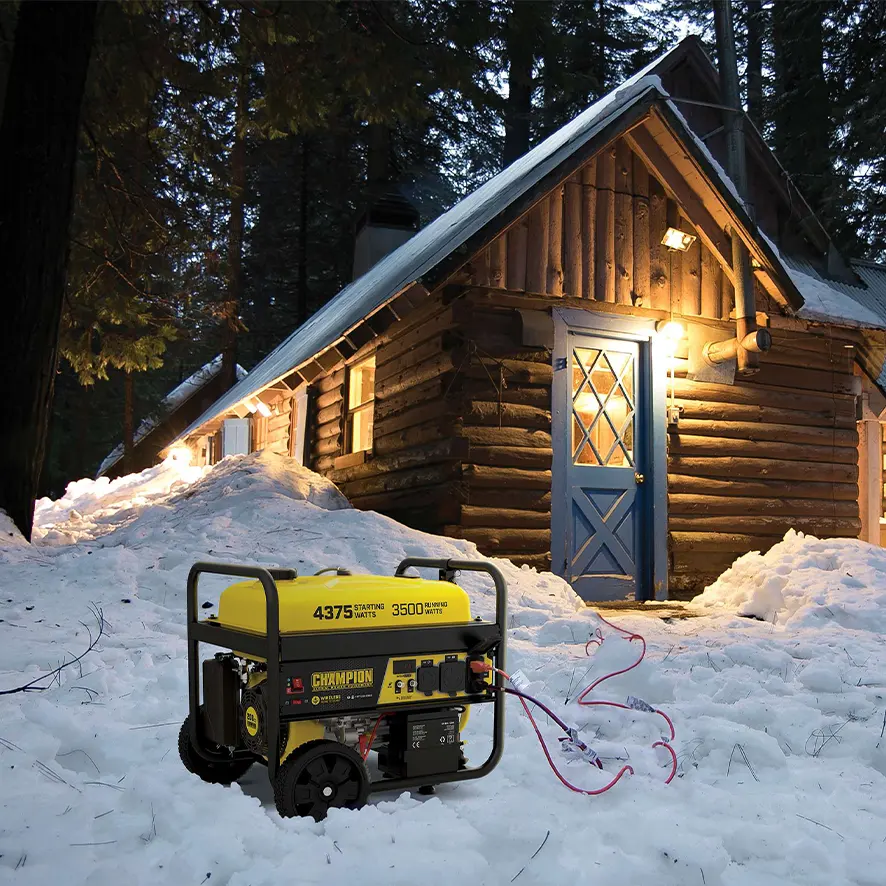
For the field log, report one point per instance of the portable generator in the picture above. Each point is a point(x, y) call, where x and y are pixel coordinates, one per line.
point(319, 671)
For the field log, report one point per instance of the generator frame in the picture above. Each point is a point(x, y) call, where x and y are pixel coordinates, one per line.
point(278, 649)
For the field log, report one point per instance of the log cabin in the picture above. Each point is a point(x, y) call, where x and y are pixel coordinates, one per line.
point(573, 369)
point(176, 411)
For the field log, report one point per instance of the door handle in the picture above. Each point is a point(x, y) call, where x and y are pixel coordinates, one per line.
point(639, 478)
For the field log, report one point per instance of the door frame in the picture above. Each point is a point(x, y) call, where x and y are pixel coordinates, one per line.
point(652, 583)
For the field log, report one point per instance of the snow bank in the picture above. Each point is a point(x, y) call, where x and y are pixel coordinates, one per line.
point(806, 580)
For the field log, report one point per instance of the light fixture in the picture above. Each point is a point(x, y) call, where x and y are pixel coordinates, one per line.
point(677, 240)
point(263, 409)
point(249, 405)
point(181, 456)
point(672, 330)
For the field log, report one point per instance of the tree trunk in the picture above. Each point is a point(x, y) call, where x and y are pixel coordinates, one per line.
point(128, 426)
point(521, 38)
point(802, 113)
point(231, 316)
point(302, 245)
point(756, 25)
point(602, 72)
point(38, 147)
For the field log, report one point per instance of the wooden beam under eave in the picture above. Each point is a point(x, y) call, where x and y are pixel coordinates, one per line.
point(660, 165)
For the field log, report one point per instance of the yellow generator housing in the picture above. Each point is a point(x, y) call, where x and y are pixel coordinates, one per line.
point(321, 671)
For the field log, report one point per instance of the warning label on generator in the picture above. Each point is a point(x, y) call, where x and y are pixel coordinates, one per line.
point(359, 678)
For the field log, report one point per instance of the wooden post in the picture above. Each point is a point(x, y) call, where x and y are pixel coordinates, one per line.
point(515, 275)
point(572, 237)
point(588, 218)
point(675, 260)
point(624, 224)
point(691, 284)
point(537, 248)
point(555, 242)
point(710, 285)
point(870, 474)
point(605, 243)
point(498, 262)
point(660, 262)
point(641, 233)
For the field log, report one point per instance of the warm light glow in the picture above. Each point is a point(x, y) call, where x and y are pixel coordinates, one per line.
point(586, 403)
point(179, 455)
point(677, 240)
point(263, 409)
point(672, 330)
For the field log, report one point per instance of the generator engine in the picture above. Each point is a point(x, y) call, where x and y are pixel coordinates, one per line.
point(320, 672)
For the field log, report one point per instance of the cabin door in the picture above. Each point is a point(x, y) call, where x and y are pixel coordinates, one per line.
point(600, 529)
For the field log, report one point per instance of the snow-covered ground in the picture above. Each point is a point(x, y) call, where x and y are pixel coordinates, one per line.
point(779, 720)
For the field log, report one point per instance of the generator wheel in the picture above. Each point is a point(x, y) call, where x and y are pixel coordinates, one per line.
point(319, 776)
point(214, 773)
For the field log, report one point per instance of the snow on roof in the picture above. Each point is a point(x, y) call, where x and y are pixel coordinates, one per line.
point(172, 401)
point(436, 241)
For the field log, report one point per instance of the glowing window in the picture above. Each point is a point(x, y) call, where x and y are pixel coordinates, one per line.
point(361, 397)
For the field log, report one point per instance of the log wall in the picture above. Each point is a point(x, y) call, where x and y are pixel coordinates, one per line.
point(597, 236)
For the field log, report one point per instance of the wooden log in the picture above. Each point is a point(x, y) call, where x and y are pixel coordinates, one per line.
point(680, 444)
point(761, 395)
point(572, 236)
point(511, 456)
point(710, 284)
point(471, 515)
point(427, 350)
point(329, 398)
point(512, 478)
point(417, 435)
point(588, 221)
point(758, 430)
point(623, 224)
point(688, 587)
point(330, 414)
point(699, 410)
point(434, 495)
point(685, 483)
point(324, 464)
point(443, 320)
point(435, 409)
point(676, 260)
point(740, 542)
point(433, 389)
point(522, 499)
point(538, 396)
point(537, 247)
point(691, 288)
point(411, 478)
point(517, 415)
point(841, 527)
point(702, 563)
point(752, 468)
point(442, 450)
point(517, 245)
point(329, 429)
point(331, 445)
point(506, 436)
point(786, 355)
point(727, 296)
point(515, 371)
point(541, 562)
point(642, 255)
point(604, 227)
point(660, 258)
point(331, 380)
point(711, 505)
point(498, 262)
point(412, 376)
point(493, 540)
point(808, 379)
point(480, 266)
point(554, 285)
point(276, 422)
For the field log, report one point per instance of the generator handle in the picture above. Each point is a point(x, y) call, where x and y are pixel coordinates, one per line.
point(268, 578)
point(448, 568)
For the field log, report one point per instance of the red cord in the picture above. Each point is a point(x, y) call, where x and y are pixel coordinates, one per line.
point(365, 751)
point(670, 750)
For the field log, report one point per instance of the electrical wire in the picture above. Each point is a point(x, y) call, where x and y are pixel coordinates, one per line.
point(365, 751)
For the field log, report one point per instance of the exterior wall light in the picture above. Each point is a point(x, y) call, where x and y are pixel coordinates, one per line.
point(262, 408)
point(677, 240)
point(249, 405)
point(672, 330)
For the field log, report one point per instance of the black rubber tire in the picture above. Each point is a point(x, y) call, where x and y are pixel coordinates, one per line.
point(214, 773)
point(315, 767)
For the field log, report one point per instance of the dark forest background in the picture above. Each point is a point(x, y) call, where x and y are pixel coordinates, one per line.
point(226, 151)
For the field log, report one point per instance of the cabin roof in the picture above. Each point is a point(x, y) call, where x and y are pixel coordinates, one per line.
point(809, 294)
point(173, 401)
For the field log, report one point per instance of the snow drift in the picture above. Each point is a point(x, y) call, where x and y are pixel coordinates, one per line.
point(806, 580)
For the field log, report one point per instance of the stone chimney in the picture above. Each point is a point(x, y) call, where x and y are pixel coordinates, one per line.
point(389, 222)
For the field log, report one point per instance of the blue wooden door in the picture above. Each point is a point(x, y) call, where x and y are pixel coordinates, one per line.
point(604, 467)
